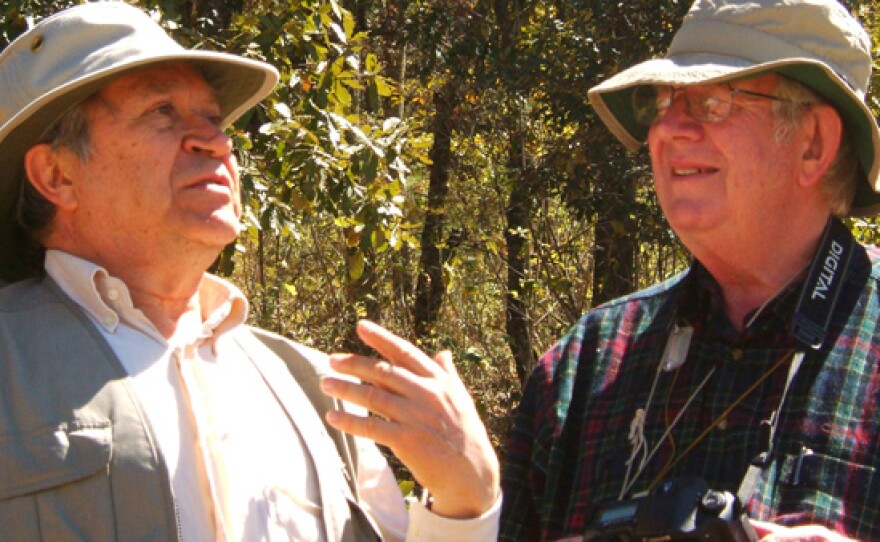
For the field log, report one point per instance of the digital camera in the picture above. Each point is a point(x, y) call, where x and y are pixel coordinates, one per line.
point(677, 509)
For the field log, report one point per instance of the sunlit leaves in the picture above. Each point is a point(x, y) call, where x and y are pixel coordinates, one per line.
point(320, 151)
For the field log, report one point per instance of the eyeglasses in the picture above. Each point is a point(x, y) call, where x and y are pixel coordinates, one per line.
point(708, 104)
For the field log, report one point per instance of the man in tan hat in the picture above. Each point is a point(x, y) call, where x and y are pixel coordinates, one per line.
point(135, 404)
point(753, 377)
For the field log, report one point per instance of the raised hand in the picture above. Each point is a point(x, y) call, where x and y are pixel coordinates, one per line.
point(424, 414)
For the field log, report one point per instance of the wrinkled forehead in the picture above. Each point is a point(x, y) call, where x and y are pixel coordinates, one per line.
point(162, 79)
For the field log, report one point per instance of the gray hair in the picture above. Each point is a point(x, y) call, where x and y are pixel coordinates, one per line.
point(839, 182)
point(33, 212)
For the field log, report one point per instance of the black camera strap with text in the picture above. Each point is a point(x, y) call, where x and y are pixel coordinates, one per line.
point(818, 299)
point(823, 285)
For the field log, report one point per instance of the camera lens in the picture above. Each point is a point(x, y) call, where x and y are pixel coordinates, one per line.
point(713, 501)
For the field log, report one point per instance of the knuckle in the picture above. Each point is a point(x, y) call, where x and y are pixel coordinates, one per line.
point(370, 426)
point(364, 425)
point(373, 398)
point(383, 369)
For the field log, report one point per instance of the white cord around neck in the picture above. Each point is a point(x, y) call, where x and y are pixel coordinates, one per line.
point(627, 482)
point(766, 302)
point(637, 426)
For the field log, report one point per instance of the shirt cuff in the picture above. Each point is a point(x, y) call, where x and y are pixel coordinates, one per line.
point(425, 526)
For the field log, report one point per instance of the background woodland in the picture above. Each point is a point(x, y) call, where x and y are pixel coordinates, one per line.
point(434, 165)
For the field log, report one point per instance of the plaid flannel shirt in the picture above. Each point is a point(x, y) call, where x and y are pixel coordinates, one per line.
point(569, 444)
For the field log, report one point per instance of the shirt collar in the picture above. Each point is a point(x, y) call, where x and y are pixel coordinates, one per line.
point(702, 305)
point(106, 299)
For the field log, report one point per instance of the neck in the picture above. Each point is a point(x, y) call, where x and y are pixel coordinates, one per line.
point(752, 275)
point(163, 276)
point(740, 299)
point(165, 304)
point(164, 288)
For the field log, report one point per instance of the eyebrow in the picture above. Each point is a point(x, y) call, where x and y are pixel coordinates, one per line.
point(154, 86)
point(164, 87)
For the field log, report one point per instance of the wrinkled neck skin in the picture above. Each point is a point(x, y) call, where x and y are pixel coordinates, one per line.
point(165, 299)
point(753, 268)
point(163, 279)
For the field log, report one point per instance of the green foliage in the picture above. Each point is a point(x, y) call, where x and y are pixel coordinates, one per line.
point(867, 230)
point(337, 165)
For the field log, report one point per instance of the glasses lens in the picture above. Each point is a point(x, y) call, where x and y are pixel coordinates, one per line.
point(644, 104)
point(710, 103)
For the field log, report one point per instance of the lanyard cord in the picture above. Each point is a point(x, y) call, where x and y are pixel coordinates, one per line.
point(637, 439)
point(629, 482)
point(786, 357)
point(762, 460)
point(673, 357)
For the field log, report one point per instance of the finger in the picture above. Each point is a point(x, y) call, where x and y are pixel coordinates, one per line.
point(771, 532)
point(444, 360)
point(378, 372)
point(370, 427)
point(763, 528)
point(373, 398)
point(454, 383)
point(396, 349)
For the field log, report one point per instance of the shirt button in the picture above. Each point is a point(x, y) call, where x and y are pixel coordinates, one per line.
point(113, 295)
point(736, 354)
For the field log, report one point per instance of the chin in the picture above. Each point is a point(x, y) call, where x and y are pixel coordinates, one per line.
point(215, 235)
point(689, 216)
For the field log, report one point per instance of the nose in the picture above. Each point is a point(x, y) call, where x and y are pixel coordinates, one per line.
point(205, 137)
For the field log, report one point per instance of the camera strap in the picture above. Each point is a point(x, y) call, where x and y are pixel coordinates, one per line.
point(809, 326)
point(818, 299)
point(823, 285)
point(768, 436)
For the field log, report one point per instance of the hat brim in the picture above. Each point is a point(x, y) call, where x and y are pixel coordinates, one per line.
point(612, 102)
point(240, 83)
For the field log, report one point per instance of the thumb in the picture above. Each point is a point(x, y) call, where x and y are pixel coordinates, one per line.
point(444, 360)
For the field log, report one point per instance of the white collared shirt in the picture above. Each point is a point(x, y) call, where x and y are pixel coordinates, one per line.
point(201, 393)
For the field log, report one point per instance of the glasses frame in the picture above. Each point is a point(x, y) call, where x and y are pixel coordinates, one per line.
point(643, 103)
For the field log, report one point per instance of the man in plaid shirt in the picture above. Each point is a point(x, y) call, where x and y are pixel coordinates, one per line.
point(762, 357)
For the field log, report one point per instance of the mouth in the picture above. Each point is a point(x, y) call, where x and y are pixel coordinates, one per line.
point(690, 171)
point(210, 182)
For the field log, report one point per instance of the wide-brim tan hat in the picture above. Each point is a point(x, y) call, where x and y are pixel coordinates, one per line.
point(816, 42)
point(69, 56)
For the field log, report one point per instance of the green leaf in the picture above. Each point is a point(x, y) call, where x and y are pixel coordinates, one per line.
point(407, 487)
point(356, 265)
point(382, 86)
point(371, 64)
point(341, 95)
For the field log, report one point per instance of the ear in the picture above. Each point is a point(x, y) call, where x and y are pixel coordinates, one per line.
point(46, 169)
point(821, 129)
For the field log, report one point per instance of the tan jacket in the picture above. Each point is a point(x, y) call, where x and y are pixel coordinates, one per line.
point(78, 459)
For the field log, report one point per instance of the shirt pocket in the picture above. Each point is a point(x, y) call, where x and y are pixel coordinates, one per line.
point(815, 486)
point(55, 483)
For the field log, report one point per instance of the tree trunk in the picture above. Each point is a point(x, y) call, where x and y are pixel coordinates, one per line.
point(361, 297)
point(430, 288)
point(517, 216)
point(518, 212)
point(614, 252)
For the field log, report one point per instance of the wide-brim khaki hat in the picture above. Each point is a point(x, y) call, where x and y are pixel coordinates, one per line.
point(69, 56)
point(816, 42)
